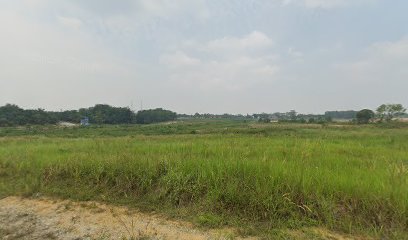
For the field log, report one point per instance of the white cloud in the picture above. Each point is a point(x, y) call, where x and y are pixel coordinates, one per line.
point(126, 18)
point(382, 63)
point(44, 66)
point(74, 23)
point(75, 53)
point(328, 4)
point(254, 40)
point(395, 50)
point(167, 8)
point(233, 75)
point(178, 59)
point(227, 63)
point(295, 53)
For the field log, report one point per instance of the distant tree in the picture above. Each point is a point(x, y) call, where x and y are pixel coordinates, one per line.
point(4, 122)
point(155, 116)
point(328, 119)
point(397, 110)
point(364, 116)
point(11, 114)
point(350, 114)
point(292, 115)
point(105, 114)
point(102, 114)
point(381, 112)
point(262, 117)
point(72, 116)
point(39, 117)
point(389, 111)
point(264, 120)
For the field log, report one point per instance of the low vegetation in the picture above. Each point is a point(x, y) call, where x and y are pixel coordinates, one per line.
point(262, 178)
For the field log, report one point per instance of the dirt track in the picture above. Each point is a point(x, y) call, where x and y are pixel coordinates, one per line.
point(45, 219)
point(51, 219)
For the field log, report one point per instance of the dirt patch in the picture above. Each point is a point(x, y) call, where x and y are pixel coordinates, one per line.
point(44, 218)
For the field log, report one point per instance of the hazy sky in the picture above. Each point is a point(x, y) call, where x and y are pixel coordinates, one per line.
point(235, 56)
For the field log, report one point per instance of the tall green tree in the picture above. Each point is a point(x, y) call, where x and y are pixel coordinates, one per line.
point(364, 116)
point(389, 111)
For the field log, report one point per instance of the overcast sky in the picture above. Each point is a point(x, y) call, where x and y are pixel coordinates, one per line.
point(235, 56)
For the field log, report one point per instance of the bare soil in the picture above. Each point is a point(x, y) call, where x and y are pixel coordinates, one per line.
point(45, 218)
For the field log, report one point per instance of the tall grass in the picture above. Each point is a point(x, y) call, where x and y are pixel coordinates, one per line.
point(352, 179)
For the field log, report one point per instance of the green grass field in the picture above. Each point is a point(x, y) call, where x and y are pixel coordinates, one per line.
point(262, 178)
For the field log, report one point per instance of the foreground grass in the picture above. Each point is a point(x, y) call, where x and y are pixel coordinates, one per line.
point(264, 177)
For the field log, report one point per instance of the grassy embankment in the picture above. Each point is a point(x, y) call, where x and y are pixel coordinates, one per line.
point(266, 177)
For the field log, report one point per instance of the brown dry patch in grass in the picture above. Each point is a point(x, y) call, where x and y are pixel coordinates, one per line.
point(46, 218)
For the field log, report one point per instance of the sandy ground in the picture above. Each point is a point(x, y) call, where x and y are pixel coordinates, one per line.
point(51, 219)
point(45, 218)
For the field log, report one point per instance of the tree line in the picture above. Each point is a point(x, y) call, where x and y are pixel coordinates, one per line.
point(277, 116)
point(384, 113)
point(12, 115)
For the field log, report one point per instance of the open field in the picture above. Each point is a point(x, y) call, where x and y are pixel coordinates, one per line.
point(262, 179)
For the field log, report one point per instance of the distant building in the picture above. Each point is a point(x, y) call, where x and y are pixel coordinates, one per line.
point(85, 121)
